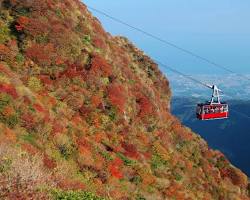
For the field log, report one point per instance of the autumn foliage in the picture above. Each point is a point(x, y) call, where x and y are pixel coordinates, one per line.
point(99, 65)
point(9, 89)
point(85, 111)
point(117, 96)
point(22, 22)
point(41, 54)
point(115, 168)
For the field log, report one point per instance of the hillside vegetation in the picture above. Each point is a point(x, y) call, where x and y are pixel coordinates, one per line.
point(85, 115)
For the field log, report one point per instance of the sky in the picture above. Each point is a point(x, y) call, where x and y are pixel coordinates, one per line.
point(217, 30)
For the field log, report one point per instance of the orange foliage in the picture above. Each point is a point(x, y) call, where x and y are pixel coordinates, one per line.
point(71, 185)
point(4, 69)
point(28, 121)
point(82, 142)
point(96, 120)
point(146, 107)
point(22, 22)
point(8, 111)
point(117, 96)
point(9, 135)
point(114, 168)
point(173, 190)
point(130, 150)
point(99, 65)
point(57, 127)
point(59, 61)
point(77, 119)
point(29, 148)
point(99, 43)
point(189, 165)
point(97, 27)
point(36, 27)
point(5, 52)
point(96, 100)
point(41, 54)
point(49, 163)
point(38, 107)
point(99, 137)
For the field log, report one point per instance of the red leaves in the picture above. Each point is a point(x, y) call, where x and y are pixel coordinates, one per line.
point(236, 176)
point(28, 121)
point(9, 89)
point(97, 27)
point(36, 27)
point(41, 54)
point(49, 163)
point(114, 168)
point(130, 150)
point(72, 70)
point(145, 106)
point(46, 80)
point(22, 22)
point(100, 66)
point(117, 96)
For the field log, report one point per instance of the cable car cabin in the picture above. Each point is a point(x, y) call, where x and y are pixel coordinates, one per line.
point(210, 111)
point(213, 109)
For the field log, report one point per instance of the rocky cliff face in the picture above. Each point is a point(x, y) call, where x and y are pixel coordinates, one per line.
point(86, 115)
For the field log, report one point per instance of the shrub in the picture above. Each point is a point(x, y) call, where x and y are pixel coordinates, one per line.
point(114, 168)
point(4, 33)
point(145, 106)
point(59, 13)
point(158, 162)
point(66, 150)
point(34, 84)
point(99, 65)
point(42, 54)
point(5, 100)
point(86, 39)
point(21, 23)
point(8, 115)
point(37, 29)
point(48, 162)
point(130, 150)
point(5, 53)
point(20, 58)
point(99, 43)
point(74, 195)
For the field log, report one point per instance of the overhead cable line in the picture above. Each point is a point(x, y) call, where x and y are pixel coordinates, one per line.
point(169, 43)
point(196, 81)
point(177, 47)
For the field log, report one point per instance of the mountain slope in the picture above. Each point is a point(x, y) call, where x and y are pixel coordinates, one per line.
point(81, 110)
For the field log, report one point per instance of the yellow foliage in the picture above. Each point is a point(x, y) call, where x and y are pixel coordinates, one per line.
point(161, 150)
point(34, 84)
point(4, 79)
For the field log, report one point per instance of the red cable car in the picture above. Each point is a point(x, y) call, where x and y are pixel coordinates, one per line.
point(213, 109)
